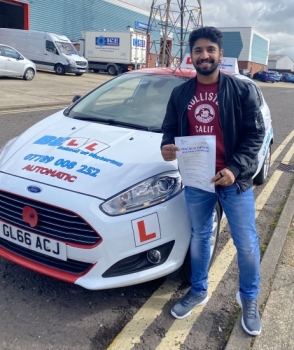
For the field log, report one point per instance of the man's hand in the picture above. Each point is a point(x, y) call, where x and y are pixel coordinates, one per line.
point(168, 152)
point(223, 178)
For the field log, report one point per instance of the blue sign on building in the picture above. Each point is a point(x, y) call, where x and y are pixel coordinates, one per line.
point(139, 43)
point(106, 41)
point(142, 26)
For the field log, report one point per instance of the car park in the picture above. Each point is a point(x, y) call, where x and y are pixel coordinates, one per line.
point(85, 195)
point(264, 76)
point(287, 77)
point(14, 64)
point(245, 72)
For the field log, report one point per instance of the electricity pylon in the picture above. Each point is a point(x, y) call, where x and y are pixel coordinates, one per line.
point(169, 26)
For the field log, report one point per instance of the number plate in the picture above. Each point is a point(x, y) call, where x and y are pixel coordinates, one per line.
point(37, 243)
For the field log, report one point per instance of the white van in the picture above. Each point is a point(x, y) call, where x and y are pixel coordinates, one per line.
point(46, 50)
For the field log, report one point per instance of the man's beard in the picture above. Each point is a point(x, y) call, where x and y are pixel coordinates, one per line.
point(206, 70)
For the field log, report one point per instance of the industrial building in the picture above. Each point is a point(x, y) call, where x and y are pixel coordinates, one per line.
point(249, 46)
point(280, 63)
point(71, 17)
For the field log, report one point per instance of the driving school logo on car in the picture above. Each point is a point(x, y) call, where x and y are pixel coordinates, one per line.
point(81, 145)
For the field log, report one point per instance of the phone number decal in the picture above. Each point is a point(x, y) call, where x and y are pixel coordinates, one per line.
point(63, 163)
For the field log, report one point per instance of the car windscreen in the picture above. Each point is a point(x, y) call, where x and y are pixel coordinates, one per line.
point(134, 100)
point(66, 48)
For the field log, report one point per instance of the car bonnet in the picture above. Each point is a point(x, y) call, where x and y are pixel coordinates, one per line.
point(94, 159)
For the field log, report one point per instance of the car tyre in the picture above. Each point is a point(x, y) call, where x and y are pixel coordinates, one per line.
point(29, 74)
point(59, 69)
point(261, 177)
point(111, 70)
point(185, 270)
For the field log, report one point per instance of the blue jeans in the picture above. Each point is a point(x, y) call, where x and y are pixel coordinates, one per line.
point(240, 211)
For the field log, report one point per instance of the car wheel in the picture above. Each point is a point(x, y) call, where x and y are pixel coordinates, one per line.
point(111, 70)
point(29, 74)
point(185, 270)
point(59, 70)
point(260, 178)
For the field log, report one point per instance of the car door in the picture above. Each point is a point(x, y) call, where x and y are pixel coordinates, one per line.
point(258, 75)
point(50, 55)
point(14, 64)
point(2, 63)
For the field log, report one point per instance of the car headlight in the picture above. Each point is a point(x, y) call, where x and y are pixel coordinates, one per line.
point(71, 62)
point(6, 147)
point(152, 191)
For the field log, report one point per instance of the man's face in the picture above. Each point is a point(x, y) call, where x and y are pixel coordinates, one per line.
point(206, 56)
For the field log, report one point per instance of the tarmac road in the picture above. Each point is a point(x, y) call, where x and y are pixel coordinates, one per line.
point(47, 89)
point(42, 313)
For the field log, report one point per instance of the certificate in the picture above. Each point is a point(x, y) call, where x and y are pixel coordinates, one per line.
point(196, 159)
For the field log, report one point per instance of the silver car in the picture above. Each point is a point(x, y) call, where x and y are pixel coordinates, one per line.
point(14, 64)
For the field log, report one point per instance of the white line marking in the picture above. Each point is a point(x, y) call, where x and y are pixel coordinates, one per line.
point(25, 110)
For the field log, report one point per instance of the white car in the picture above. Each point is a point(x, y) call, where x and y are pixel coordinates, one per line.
point(85, 195)
point(14, 64)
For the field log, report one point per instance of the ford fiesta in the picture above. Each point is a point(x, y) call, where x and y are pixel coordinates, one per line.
point(85, 195)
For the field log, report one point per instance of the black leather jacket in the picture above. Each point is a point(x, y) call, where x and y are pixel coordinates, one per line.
point(240, 118)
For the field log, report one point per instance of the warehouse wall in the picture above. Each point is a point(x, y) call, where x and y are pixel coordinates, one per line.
point(71, 17)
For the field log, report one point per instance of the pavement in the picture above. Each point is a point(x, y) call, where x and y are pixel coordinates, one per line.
point(276, 298)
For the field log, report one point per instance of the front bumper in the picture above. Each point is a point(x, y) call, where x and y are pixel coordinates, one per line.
point(75, 69)
point(119, 238)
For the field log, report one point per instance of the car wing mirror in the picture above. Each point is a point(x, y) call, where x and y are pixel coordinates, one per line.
point(76, 97)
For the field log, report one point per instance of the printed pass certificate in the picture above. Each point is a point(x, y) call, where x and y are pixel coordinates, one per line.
point(196, 160)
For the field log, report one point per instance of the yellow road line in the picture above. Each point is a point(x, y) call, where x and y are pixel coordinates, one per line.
point(144, 317)
point(131, 333)
point(281, 147)
point(180, 329)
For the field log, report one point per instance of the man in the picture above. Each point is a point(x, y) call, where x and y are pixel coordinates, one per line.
point(228, 109)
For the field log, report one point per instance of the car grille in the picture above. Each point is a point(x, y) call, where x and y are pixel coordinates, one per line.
point(82, 64)
point(70, 266)
point(53, 222)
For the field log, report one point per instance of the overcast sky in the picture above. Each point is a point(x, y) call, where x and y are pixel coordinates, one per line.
point(273, 18)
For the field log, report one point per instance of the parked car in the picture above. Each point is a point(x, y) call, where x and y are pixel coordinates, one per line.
point(85, 195)
point(14, 64)
point(264, 76)
point(245, 72)
point(276, 75)
point(287, 77)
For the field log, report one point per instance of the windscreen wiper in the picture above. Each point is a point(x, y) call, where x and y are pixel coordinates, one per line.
point(94, 119)
point(118, 123)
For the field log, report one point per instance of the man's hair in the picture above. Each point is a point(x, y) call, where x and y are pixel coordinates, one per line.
point(210, 33)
